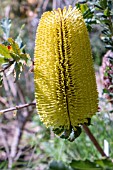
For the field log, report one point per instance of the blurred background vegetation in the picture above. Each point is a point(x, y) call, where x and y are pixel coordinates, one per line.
point(25, 142)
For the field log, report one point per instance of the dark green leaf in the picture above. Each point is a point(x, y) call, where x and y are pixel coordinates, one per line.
point(15, 56)
point(105, 163)
point(17, 71)
point(82, 165)
point(65, 134)
point(1, 79)
point(58, 131)
point(105, 91)
point(3, 165)
point(103, 3)
point(54, 165)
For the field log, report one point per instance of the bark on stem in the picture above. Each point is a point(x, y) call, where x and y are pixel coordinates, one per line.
point(94, 141)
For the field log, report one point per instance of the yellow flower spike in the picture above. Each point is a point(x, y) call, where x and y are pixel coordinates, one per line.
point(65, 85)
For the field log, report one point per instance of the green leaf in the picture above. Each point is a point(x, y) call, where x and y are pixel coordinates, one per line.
point(98, 6)
point(84, 7)
point(17, 71)
point(105, 91)
point(15, 56)
point(105, 74)
point(105, 163)
point(18, 41)
point(1, 79)
point(107, 12)
point(15, 46)
point(3, 165)
point(4, 53)
point(107, 68)
point(58, 131)
point(24, 57)
point(54, 165)
point(82, 165)
point(103, 3)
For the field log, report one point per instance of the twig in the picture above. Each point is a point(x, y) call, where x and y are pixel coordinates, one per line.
point(45, 5)
point(17, 107)
point(3, 101)
point(10, 63)
point(22, 119)
point(4, 142)
point(93, 139)
point(54, 4)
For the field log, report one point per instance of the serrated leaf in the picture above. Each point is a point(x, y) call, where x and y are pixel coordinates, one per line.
point(5, 24)
point(88, 14)
point(15, 46)
point(4, 52)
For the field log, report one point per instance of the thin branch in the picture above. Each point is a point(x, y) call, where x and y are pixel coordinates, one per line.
point(3, 138)
point(22, 120)
point(94, 141)
point(10, 63)
point(45, 5)
point(17, 107)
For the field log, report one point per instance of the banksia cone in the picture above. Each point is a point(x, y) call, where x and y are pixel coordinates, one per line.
point(65, 85)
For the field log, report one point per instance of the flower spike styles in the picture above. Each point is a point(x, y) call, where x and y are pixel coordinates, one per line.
point(65, 84)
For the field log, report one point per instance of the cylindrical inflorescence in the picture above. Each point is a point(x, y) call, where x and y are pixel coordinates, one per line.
point(65, 85)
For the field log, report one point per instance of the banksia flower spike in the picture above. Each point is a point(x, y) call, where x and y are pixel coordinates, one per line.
point(65, 85)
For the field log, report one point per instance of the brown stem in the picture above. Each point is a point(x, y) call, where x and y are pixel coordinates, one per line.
point(93, 139)
point(17, 107)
